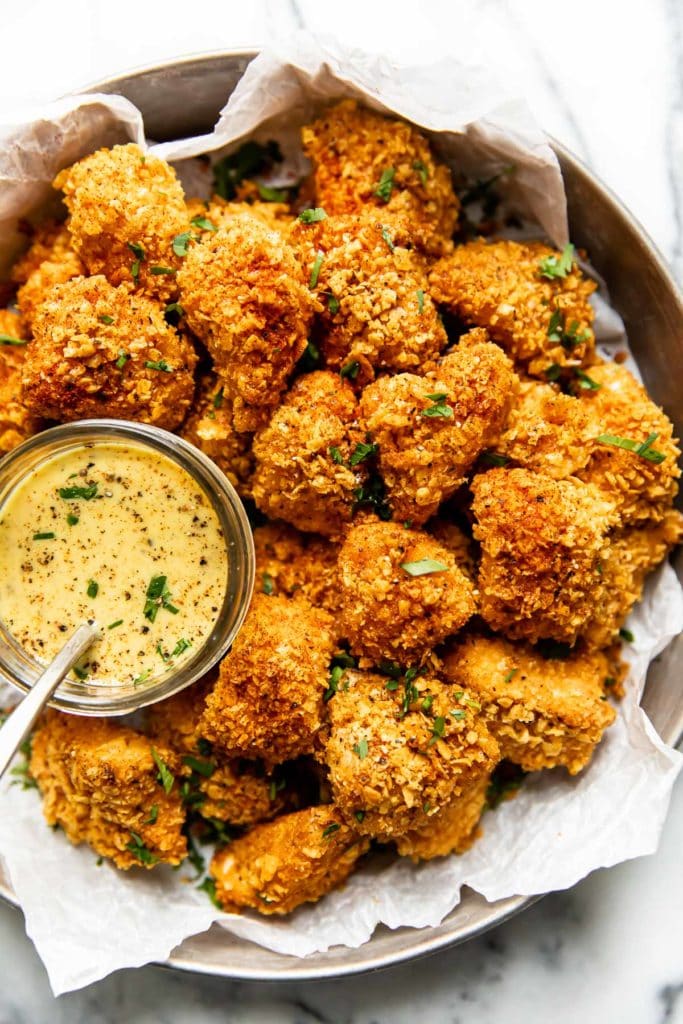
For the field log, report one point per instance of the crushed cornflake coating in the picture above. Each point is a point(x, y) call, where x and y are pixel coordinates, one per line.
point(401, 592)
point(452, 829)
point(209, 427)
point(82, 365)
point(431, 429)
point(268, 700)
point(207, 217)
point(540, 322)
point(398, 754)
point(244, 295)
point(101, 782)
point(17, 422)
point(125, 209)
point(280, 865)
point(543, 542)
point(293, 563)
point(374, 293)
point(363, 159)
point(544, 712)
point(50, 259)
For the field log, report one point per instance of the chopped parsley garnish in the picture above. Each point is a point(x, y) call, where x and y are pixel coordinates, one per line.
point(511, 675)
point(336, 455)
point(173, 312)
point(22, 771)
point(641, 448)
point(162, 270)
point(158, 596)
point(141, 678)
point(362, 451)
point(139, 850)
point(333, 304)
point(137, 250)
point(217, 400)
point(7, 339)
point(350, 370)
point(423, 567)
point(421, 169)
point(315, 270)
point(609, 681)
point(104, 319)
point(250, 159)
point(205, 768)
point(80, 672)
point(627, 635)
point(76, 493)
point(585, 382)
point(72, 519)
point(44, 536)
point(330, 830)
point(427, 702)
point(385, 184)
point(494, 458)
point(313, 215)
point(558, 266)
point(552, 372)
point(568, 337)
point(359, 815)
point(439, 406)
point(122, 360)
point(458, 713)
point(360, 749)
point(420, 300)
point(438, 729)
point(208, 885)
point(116, 624)
point(392, 685)
point(93, 588)
point(203, 223)
point(310, 359)
point(388, 238)
point(153, 815)
point(276, 786)
point(164, 777)
point(181, 243)
point(135, 270)
point(373, 494)
point(333, 682)
point(272, 195)
point(139, 254)
point(410, 691)
point(267, 583)
point(160, 365)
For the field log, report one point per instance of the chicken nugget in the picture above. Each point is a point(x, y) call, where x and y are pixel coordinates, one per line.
point(268, 700)
point(451, 829)
point(399, 750)
point(126, 209)
point(49, 260)
point(543, 712)
point(540, 322)
point(17, 422)
point(295, 859)
point(293, 563)
point(401, 591)
point(209, 427)
point(219, 212)
point(105, 351)
point(243, 294)
point(361, 158)
point(641, 484)
point(311, 459)
point(105, 785)
point(543, 542)
point(232, 790)
point(431, 429)
point(377, 310)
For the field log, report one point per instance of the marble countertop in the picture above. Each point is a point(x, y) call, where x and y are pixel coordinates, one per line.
point(607, 80)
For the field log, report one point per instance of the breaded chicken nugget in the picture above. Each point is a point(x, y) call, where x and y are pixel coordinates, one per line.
point(296, 859)
point(401, 591)
point(632, 555)
point(49, 260)
point(293, 563)
point(217, 787)
point(126, 208)
point(209, 427)
point(362, 158)
point(104, 351)
point(100, 782)
point(543, 712)
point(548, 432)
point(543, 542)
point(377, 310)
point(452, 829)
point(244, 296)
point(498, 285)
point(639, 486)
point(308, 463)
point(268, 700)
point(431, 429)
point(17, 423)
point(399, 751)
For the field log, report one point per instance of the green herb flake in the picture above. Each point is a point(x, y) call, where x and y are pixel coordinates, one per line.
point(160, 365)
point(137, 250)
point(203, 224)
point(627, 635)
point(140, 851)
point(333, 682)
point(153, 815)
point(272, 195)
point(438, 729)
point(208, 885)
point(492, 458)
point(250, 159)
point(585, 382)
point(388, 238)
point(122, 360)
point(336, 455)
point(458, 713)
point(609, 681)
point(104, 319)
point(392, 685)
point(330, 830)
point(93, 588)
point(164, 777)
point(80, 672)
point(315, 270)
point(135, 271)
point(204, 768)
point(552, 372)
point(505, 781)
point(360, 749)
point(158, 596)
point(510, 675)
point(420, 300)
point(116, 624)
point(359, 815)
point(217, 400)
point(267, 584)
point(361, 452)
point(44, 536)
point(439, 406)
point(8, 339)
point(180, 244)
point(76, 493)
point(350, 370)
point(158, 271)
point(333, 304)
point(423, 567)
point(421, 168)
point(558, 266)
point(71, 519)
point(568, 337)
point(427, 702)
point(385, 184)
point(312, 216)
point(173, 312)
point(276, 786)
point(641, 448)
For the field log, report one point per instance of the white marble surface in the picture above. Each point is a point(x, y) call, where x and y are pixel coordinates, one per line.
point(606, 79)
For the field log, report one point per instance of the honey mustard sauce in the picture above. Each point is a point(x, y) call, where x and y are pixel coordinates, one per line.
point(118, 533)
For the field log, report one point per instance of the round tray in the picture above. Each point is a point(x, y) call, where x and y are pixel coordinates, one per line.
point(183, 97)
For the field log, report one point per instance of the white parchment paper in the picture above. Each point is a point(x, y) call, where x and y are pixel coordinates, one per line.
point(88, 920)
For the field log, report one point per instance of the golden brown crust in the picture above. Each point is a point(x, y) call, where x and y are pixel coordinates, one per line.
point(17, 422)
point(49, 260)
point(220, 212)
point(497, 285)
point(244, 296)
point(293, 860)
point(209, 427)
point(293, 563)
point(452, 829)
point(543, 712)
point(100, 783)
point(350, 148)
point(542, 544)
point(268, 700)
point(423, 457)
point(83, 366)
point(387, 613)
point(390, 770)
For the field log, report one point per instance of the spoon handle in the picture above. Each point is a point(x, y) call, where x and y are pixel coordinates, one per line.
point(21, 721)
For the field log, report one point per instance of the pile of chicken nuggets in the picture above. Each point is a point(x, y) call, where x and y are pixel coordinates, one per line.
point(456, 501)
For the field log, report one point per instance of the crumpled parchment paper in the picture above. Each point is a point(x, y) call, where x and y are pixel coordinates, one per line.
point(88, 920)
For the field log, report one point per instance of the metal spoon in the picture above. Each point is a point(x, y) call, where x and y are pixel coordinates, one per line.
point(21, 721)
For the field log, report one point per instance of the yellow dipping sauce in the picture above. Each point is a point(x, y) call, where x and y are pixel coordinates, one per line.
point(121, 534)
